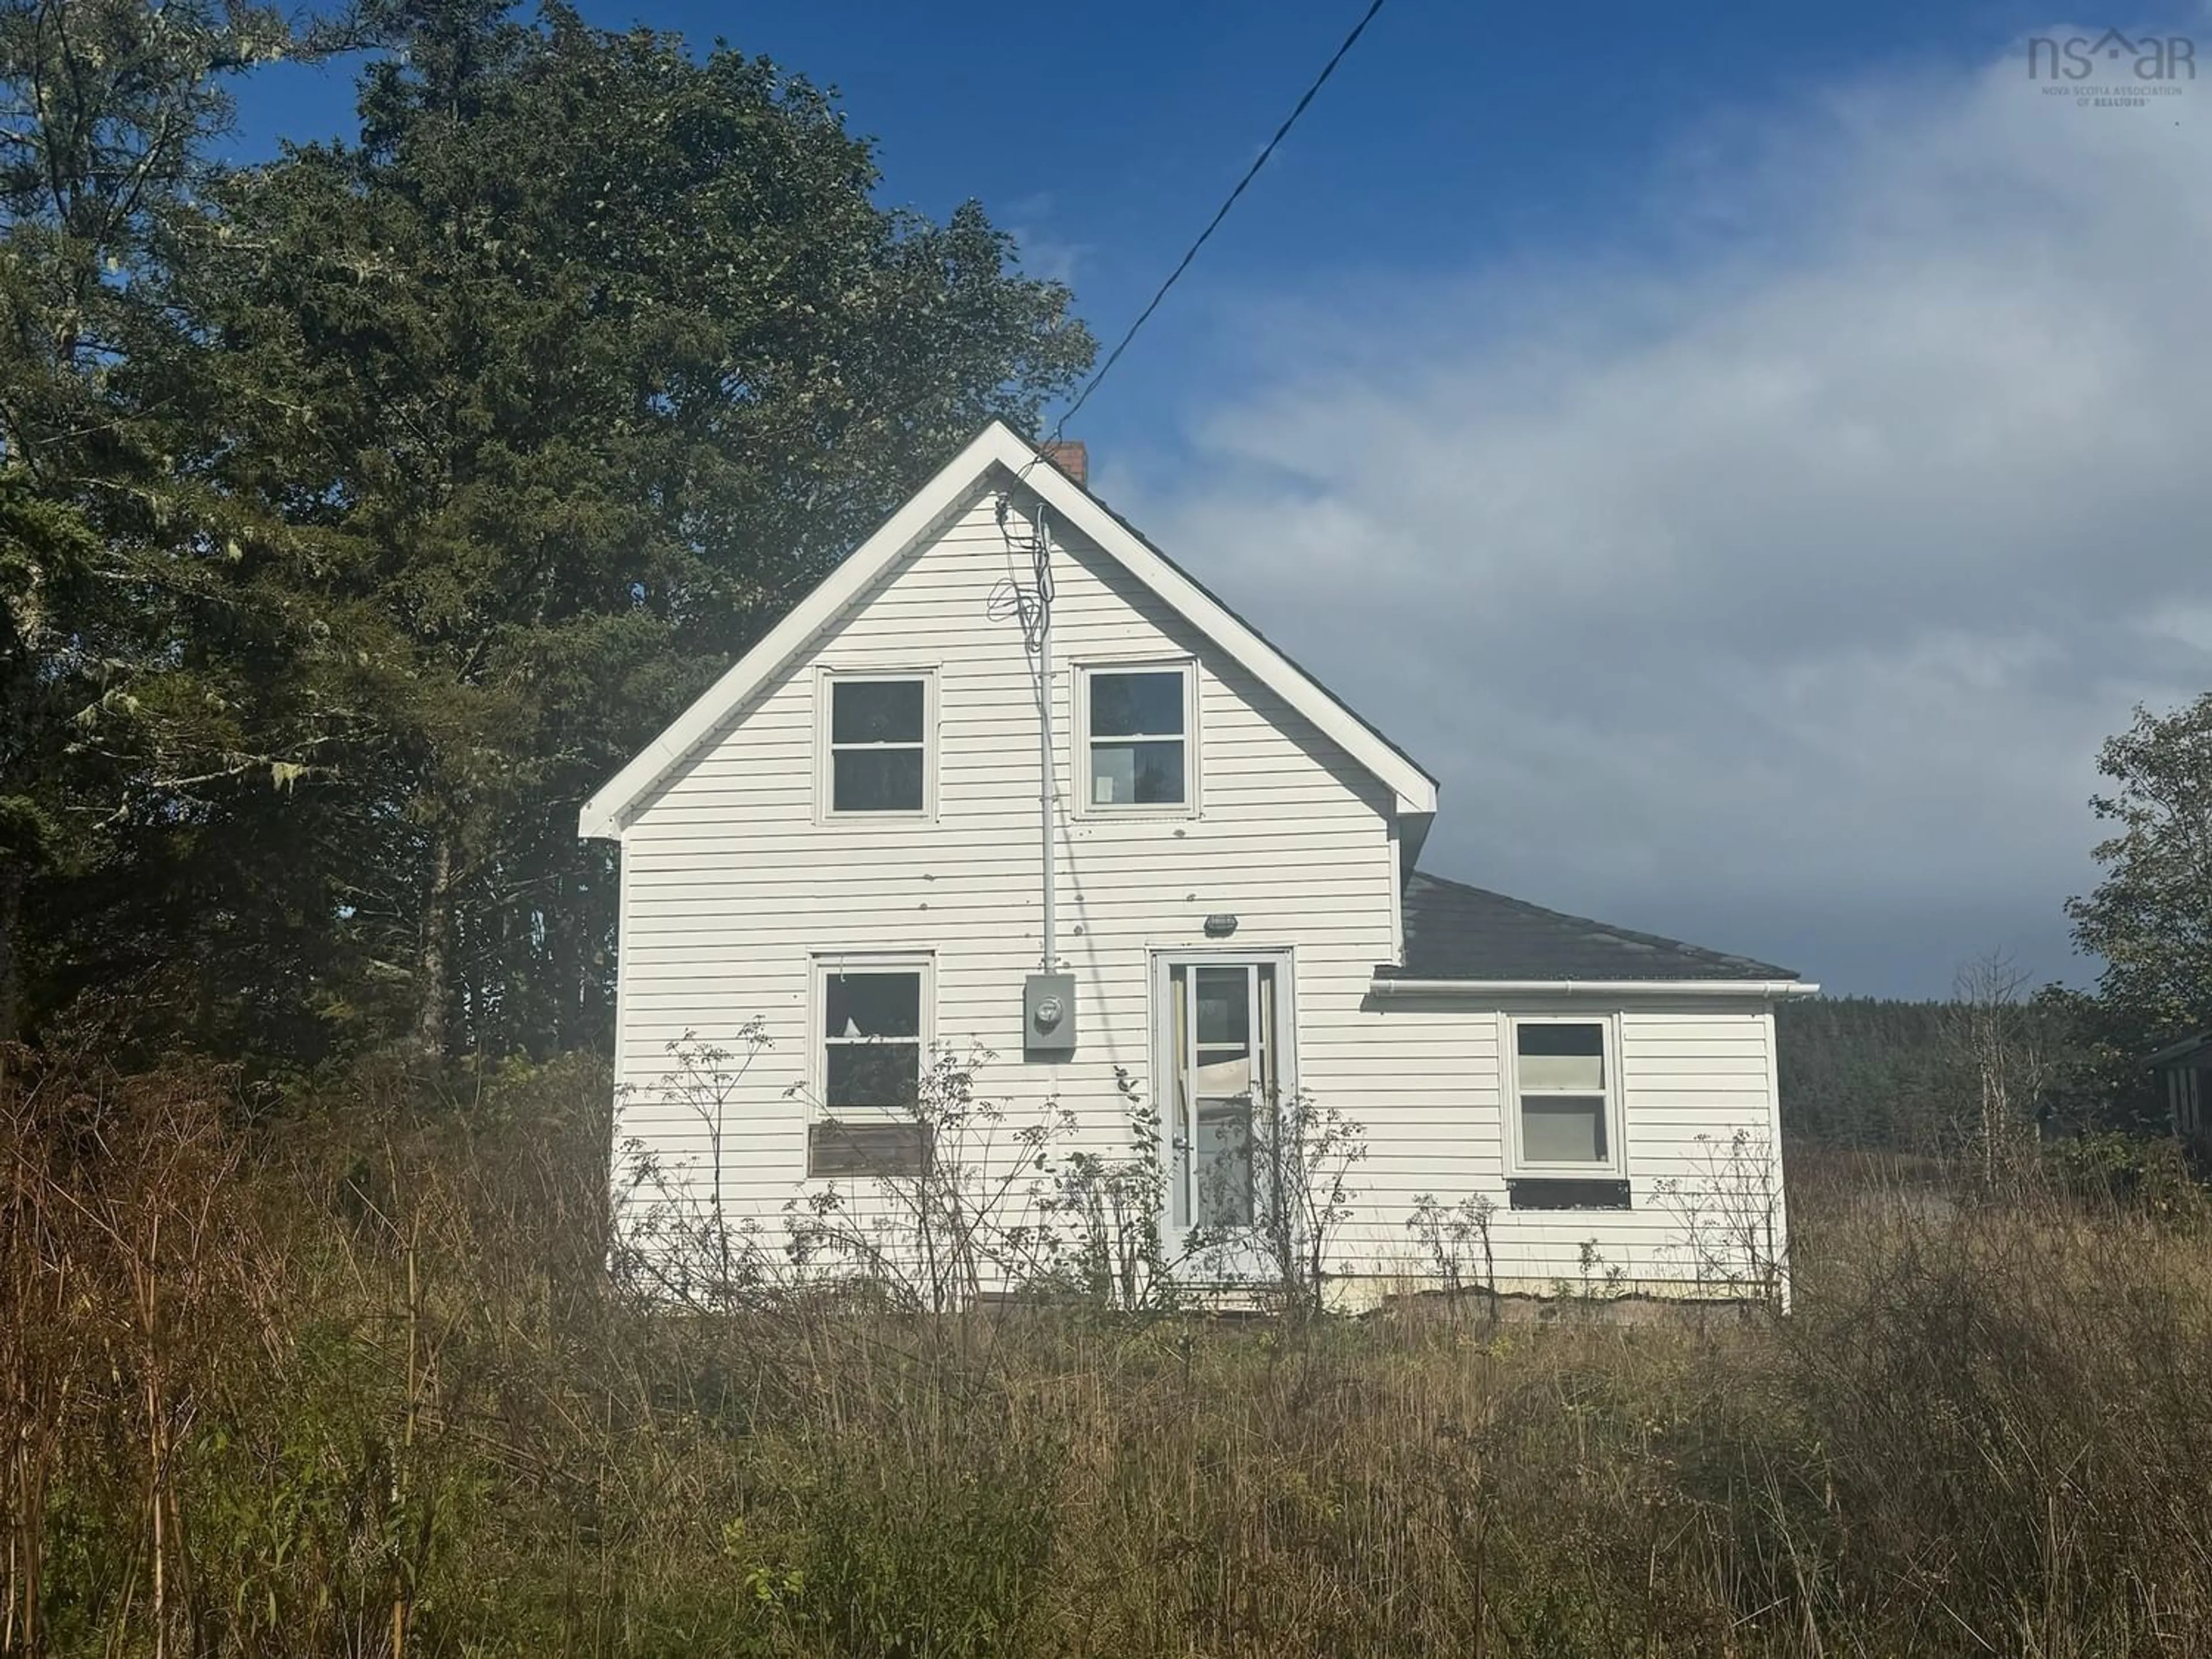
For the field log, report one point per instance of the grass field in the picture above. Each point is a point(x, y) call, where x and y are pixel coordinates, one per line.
point(353, 1381)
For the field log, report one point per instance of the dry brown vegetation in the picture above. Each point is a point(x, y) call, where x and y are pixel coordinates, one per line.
point(355, 1382)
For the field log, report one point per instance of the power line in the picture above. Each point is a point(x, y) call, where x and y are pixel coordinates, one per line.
point(1220, 213)
point(1033, 607)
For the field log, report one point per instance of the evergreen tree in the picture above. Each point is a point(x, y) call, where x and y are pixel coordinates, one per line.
point(546, 398)
point(106, 108)
point(1863, 1072)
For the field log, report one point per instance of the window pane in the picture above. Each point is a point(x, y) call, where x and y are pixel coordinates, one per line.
point(1224, 1012)
point(1136, 774)
point(1224, 1150)
point(883, 1074)
point(1561, 1056)
point(876, 781)
point(1131, 705)
point(1563, 1128)
point(873, 1005)
point(1561, 1037)
point(875, 711)
point(1578, 1072)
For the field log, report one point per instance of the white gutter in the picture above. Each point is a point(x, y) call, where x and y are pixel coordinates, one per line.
point(1591, 988)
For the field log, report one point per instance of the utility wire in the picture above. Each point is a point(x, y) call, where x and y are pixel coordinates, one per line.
point(1033, 607)
point(1220, 213)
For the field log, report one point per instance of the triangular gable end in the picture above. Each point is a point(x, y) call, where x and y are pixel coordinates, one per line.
point(607, 814)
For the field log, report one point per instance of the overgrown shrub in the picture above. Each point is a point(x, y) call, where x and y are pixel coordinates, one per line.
point(355, 1378)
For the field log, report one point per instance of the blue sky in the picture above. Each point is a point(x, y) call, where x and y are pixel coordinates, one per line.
point(1689, 430)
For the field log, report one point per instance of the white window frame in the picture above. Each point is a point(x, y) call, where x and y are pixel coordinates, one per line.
point(825, 765)
point(1080, 771)
point(822, 965)
point(1615, 1165)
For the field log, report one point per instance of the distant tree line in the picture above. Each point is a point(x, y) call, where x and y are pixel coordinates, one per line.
point(1866, 1073)
point(1861, 1072)
point(1989, 1064)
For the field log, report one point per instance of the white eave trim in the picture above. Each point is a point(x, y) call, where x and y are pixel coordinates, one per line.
point(608, 812)
point(1416, 790)
point(1607, 989)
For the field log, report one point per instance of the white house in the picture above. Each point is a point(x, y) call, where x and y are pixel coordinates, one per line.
point(2186, 1066)
point(843, 841)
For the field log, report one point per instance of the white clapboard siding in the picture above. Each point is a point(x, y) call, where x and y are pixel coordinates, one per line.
point(733, 883)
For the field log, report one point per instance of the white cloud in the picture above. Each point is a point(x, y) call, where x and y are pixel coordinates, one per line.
point(1770, 575)
point(1040, 254)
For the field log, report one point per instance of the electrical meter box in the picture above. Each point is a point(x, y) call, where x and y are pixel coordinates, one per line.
point(1048, 1015)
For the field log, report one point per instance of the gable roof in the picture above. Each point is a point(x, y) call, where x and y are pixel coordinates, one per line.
point(1455, 931)
point(1365, 724)
point(608, 812)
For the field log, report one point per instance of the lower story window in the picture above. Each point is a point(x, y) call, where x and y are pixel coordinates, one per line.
point(1564, 1088)
point(870, 1081)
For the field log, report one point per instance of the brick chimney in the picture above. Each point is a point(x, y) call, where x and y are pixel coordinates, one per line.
point(1070, 458)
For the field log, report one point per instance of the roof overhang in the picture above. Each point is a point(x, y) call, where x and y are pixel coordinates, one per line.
point(2185, 1049)
point(610, 811)
point(1610, 990)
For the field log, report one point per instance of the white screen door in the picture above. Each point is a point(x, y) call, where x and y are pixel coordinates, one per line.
point(1224, 1026)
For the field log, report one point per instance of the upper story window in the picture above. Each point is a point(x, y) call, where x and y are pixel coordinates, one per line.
point(879, 746)
point(1567, 1093)
point(1135, 725)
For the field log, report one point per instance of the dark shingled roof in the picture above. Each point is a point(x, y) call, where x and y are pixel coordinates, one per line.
point(1456, 932)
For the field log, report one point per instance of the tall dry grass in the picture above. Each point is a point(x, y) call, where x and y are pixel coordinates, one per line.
point(354, 1382)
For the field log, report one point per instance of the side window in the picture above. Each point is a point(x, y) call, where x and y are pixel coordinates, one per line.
point(870, 1061)
point(1565, 1090)
point(878, 743)
point(1136, 738)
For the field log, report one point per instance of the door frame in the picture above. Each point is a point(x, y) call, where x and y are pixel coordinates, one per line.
point(1234, 1262)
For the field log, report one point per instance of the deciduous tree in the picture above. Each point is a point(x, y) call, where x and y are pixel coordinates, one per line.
point(2150, 918)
